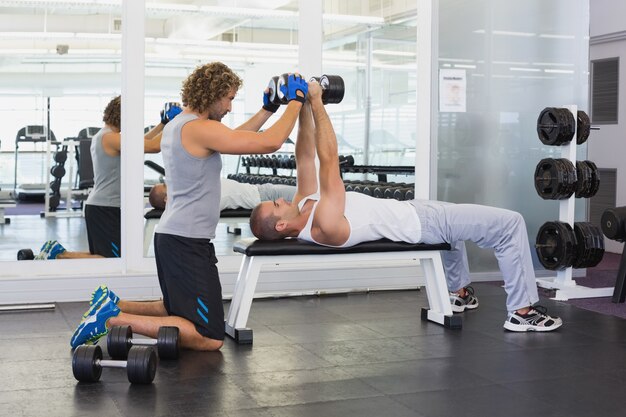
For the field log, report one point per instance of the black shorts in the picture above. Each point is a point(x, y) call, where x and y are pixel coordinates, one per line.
point(103, 230)
point(190, 282)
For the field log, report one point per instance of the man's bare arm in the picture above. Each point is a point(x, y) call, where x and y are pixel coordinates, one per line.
point(305, 155)
point(329, 224)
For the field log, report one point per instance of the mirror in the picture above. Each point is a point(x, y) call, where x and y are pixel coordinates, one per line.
point(60, 68)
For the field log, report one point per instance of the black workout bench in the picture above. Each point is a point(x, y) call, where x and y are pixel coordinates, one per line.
point(257, 253)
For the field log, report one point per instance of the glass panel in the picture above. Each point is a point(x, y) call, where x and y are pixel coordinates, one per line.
point(256, 40)
point(515, 62)
point(375, 122)
point(60, 67)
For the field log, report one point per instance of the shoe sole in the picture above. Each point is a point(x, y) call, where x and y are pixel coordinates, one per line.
point(520, 328)
point(461, 309)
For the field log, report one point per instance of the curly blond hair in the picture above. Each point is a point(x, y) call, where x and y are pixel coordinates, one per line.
point(113, 113)
point(207, 84)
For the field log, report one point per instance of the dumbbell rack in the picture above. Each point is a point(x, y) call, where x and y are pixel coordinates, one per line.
point(566, 288)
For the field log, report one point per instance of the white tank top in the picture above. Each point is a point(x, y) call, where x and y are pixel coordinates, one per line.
point(371, 219)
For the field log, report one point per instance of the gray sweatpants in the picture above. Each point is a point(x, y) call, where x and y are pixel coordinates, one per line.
point(271, 192)
point(488, 227)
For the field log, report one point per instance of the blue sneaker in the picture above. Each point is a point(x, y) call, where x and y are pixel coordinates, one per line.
point(45, 250)
point(100, 294)
point(94, 326)
point(50, 250)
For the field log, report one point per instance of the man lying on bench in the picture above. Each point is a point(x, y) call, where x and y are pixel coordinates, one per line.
point(235, 195)
point(336, 218)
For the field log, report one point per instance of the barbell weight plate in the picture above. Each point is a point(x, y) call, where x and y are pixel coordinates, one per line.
point(119, 341)
point(613, 223)
point(168, 342)
point(141, 365)
point(550, 126)
point(555, 245)
point(85, 365)
point(583, 128)
point(595, 179)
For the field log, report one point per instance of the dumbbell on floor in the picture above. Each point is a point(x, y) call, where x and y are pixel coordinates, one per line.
point(25, 255)
point(120, 341)
point(87, 364)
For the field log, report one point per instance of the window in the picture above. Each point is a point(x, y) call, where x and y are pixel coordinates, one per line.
point(604, 90)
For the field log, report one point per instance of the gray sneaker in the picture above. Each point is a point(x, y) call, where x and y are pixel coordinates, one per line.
point(460, 304)
point(536, 320)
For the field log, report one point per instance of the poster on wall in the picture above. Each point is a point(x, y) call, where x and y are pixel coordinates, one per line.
point(452, 90)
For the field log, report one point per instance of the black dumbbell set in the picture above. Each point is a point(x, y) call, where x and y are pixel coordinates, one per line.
point(613, 223)
point(136, 355)
point(58, 172)
point(558, 245)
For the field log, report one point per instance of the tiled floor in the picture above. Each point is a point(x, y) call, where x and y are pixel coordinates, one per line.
point(349, 355)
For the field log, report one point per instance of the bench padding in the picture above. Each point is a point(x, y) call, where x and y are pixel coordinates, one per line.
point(157, 213)
point(254, 247)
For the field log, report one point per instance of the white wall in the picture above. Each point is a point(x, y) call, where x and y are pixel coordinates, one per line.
point(606, 146)
point(607, 16)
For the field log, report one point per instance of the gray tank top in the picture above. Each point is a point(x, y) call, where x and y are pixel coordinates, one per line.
point(193, 186)
point(106, 174)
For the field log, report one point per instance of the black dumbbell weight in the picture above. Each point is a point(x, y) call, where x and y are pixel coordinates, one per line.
point(57, 171)
point(410, 194)
point(87, 364)
point(120, 340)
point(333, 89)
point(273, 91)
point(613, 223)
point(555, 126)
point(54, 201)
point(60, 157)
point(25, 255)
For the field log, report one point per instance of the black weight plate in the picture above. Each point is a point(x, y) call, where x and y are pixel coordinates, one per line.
point(119, 341)
point(168, 342)
point(85, 365)
point(60, 157)
point(583, 128)
point(547, 179)
point(555, 245)
point(595, 179)
point(58, 171)
point(613, 223)
point(589, 247)
point(554, 127)
point(141, 365)
point(334, 89)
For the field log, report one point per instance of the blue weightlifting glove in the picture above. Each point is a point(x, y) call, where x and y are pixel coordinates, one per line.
point(171, 110)
point(293, 84)
point(267, 104)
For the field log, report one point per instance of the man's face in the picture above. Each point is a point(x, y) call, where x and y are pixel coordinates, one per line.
point(222, 107)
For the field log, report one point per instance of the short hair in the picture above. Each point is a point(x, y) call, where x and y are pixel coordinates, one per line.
point(157, 196)
point(207, 84)
point(264, 227)
point(113, 113)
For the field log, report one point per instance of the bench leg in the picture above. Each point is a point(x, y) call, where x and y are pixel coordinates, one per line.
point(440, 310)
point(241, 302)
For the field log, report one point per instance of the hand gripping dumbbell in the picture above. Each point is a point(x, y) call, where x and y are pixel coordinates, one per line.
point(87, 364)
point(170, 110)
point(120, 341)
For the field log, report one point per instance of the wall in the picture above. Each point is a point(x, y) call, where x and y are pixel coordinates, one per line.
point(608, 39)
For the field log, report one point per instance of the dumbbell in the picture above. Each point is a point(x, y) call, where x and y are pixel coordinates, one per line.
point(120, 340)
point(60, 157)
point(57, 171)
point(87, 364)
point(333, 88)
point(25, 255)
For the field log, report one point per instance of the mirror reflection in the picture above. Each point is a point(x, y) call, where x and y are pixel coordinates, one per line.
point(60, 69)
point(261, 41)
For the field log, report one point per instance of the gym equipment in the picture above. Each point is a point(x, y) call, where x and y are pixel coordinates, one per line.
point(583, 128)
point(613, 223)
point(87, 364)
point(333, 88)
point(57, 171)
point(588, 182)
point(555, 126)
point(120, 340)
point(556, 245)
point(555, 179)
point(614, 227)
point(559, 246)
point(589, 245)
point(25, 255)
